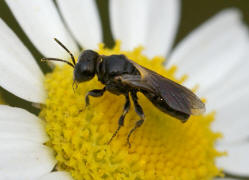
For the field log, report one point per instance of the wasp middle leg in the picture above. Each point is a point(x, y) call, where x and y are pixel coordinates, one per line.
point(140, 112)
point(122, 117)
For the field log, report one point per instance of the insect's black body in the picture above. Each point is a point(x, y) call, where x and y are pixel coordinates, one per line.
point(111, 67)
point(114, 66)
point(163, 106)
point(122, 76)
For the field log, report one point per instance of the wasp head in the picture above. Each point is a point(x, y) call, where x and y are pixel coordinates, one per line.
point(85, 68)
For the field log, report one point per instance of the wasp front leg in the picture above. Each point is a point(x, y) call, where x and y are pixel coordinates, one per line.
point(94, 93)
point(140, 112)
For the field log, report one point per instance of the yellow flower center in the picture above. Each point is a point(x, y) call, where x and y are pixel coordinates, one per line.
point(162, 148)
point(1, 99)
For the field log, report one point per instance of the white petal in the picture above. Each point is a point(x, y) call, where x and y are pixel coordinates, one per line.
point(212, 50)
point(230, 85)
point(232, 118)
point(161, 27)
point(57, 176)
point(27, 161)
point(18, 124)
point(230, 98)
point(22, 155)
point(41, 22)
point(83, 20)
point(152, 24)
point(237, 161)
point(19, 72)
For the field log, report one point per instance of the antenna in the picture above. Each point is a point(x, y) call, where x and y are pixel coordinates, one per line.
point(64, 47)
point(61, 60)
point(56, 59)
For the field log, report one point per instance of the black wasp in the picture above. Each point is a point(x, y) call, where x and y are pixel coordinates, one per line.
point(121, 75)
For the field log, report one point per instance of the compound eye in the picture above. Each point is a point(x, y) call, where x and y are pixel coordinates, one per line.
point(87, 73)
point(82, 73)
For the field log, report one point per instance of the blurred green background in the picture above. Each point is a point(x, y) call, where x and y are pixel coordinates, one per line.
point(193, 13)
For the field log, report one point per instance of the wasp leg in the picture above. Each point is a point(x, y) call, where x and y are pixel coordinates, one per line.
point(122, 117)
point(140, 112)
point(94, 93)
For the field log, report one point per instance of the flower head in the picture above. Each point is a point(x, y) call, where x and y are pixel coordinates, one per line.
point(163, 143)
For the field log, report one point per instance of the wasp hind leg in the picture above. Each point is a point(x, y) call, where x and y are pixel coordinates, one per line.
point(140, 112)
point(122, 117)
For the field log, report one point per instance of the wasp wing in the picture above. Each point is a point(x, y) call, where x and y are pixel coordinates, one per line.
point(175, 95)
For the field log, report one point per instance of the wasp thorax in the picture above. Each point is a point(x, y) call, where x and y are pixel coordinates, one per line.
point(86, 66)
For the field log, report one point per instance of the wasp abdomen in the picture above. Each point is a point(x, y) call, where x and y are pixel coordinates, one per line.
point(161, 104)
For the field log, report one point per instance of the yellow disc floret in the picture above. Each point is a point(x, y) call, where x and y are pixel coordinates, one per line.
point(1, 99)
point(162, 148)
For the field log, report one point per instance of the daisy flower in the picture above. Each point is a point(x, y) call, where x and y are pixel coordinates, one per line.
point(65, 143)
